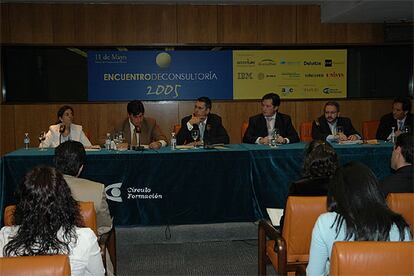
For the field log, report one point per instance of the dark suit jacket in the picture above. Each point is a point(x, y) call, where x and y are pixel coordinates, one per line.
point(258, 128)
point(388, 121)
point(214, 132)
point(150, 131)
point(321, 130)
point(399, 182)
point(308, 186)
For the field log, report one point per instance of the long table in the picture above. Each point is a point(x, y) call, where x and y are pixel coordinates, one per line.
point(158, 187)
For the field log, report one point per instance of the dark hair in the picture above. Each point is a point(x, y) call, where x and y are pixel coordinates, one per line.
point(406, 103)
point(69, 157)
point(405, 142)
point(135, 107)
point(354, 195)
point(62, 110)
point(45, 205)
point(320, 159)
point(272, 96)
point(206, 101)
point(336, 104)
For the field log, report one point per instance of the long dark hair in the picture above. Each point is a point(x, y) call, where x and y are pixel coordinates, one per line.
point(321, 160)
point(355, 197)
point(45, 205)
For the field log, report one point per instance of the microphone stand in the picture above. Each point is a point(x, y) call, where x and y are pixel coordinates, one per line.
point(62, 129)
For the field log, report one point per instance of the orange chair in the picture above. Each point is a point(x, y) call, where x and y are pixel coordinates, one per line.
point(369, 129)
point(289, 251)
point(244, 127)
point(403, 203)
point(47, 265)
point(372, 258)
point(306, 131)
point(176, 128)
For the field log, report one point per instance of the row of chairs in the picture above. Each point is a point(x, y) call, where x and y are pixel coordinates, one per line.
point(39, 265)
point(289, 251)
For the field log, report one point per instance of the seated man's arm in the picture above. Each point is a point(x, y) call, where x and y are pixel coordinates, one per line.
point(291, 134)
point(219, 136)
point(183, 134)
point(317, 133)
point(250, 136)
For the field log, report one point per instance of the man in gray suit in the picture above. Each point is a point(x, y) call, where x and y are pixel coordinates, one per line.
point(70, 157)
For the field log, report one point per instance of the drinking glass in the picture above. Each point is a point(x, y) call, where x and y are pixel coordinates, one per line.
point(42, 137)
point(339, 129)
point(121, 137)
point(274, 137)
point(194, 135)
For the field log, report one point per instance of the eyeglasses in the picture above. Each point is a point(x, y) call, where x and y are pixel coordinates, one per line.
point(331, 112)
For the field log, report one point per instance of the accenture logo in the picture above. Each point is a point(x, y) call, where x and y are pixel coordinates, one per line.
point(246, 62)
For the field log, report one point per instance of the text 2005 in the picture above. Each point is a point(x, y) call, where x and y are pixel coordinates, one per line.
point(166, 90)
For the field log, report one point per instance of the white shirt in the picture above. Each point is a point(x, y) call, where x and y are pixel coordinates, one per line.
point(53, 136)
point(190, 127)
point(270, 123)
point(85, 256)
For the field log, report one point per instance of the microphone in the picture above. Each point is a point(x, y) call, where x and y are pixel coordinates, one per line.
point(138, 146)
point(62, 129)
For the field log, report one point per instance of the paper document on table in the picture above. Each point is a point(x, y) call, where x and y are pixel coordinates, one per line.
point(275, 215)
point(348, 142)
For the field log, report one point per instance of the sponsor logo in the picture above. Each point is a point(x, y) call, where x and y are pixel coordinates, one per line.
point(271, 76)
point(328, 90)
point(291, 75)
point(110, 58)
point(311, 75)
point(284, 62)
point(328, 62)
point(287, 90)
point(335, 75)
point(113, 192)
point(260, 76)
point(267, 62)
point(310, 89)
point(245, 76)
point(246, 62)
point(312, 63)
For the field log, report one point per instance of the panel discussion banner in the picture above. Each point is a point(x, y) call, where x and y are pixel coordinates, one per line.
point(187, 75)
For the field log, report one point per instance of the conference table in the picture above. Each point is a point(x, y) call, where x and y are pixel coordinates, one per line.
point(189, 186)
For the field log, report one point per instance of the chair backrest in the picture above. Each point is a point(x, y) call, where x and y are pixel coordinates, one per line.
point(369, 129)
point(51, 265)
point(300, 215)
point(176, 128)
point(403, 203)
point(306, 131)
point(244, 127)
point(372, 258)
point(87, 211)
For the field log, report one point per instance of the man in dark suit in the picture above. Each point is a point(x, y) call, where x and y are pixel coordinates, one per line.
point(401, 181)
point(142, 130)
point(331, 127)
point(262, 125)
point(209, 125)
point(400, 118)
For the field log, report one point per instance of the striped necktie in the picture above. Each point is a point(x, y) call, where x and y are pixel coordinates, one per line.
point(134, 137)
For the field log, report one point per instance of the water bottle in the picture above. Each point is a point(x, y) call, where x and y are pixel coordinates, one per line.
point(392, 138)
point(108, 141)
point(26, 140)
point(173, 141)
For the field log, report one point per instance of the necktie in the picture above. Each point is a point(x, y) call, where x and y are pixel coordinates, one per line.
point(201, 128)
point(269, 125)
point(400, 125)
point(134, 137)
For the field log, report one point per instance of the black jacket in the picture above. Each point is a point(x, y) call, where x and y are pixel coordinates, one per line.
point(214, 132)
point(388, 121)
point(321, 130)
point(399, 182)
point(258, 128)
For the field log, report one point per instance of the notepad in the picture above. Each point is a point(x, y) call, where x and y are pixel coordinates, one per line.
point(275, 215)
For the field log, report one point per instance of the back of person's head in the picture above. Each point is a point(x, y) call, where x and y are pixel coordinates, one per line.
point(405, 142)
point(62, 110)
point(321, 159)
point(274, 97)
point(69, 157)
point(206, 101)
point(354, 195)
point(405, 102)
point(332, 103)
point(45, 205)
point(135, 107)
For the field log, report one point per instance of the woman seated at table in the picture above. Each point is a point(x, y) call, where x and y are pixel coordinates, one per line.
point(64, 130)
point(357, 212)
point(48, 221)
point(319, 166)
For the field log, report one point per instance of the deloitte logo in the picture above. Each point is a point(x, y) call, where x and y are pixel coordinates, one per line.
point(113, 192)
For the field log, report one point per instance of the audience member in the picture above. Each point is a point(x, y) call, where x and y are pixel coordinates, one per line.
point(357, 212)
point(400, 118)
point(401, 181)
point(209, 125)
point(48, 222)
point(331, 127)
point(261, 126)
point(320, 164)
point(142, 130)
point(70, 158)
point(64, 130)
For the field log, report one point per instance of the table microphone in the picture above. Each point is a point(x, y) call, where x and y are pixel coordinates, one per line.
point(62, 129)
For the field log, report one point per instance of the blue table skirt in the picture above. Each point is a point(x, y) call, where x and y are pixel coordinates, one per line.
point(156, 187)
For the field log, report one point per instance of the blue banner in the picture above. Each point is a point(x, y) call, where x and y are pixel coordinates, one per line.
point(159, 75)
